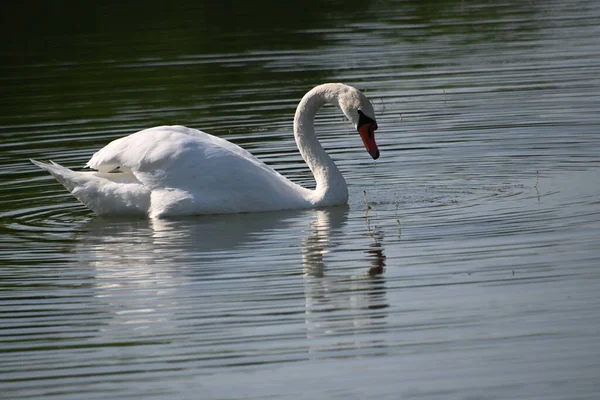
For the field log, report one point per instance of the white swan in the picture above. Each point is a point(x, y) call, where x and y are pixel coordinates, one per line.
point(174, 170)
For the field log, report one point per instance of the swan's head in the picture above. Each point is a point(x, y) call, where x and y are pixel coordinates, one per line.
point(359, 110)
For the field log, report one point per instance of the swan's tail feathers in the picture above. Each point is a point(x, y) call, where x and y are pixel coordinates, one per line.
point(100, 194)
point(65, 176)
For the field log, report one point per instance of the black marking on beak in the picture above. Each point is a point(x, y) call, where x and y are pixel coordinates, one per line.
point(363, 120)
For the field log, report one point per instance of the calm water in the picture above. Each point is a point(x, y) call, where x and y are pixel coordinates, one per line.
point(466, 265)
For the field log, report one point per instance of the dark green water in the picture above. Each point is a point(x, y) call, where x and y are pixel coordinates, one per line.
point(484, 206)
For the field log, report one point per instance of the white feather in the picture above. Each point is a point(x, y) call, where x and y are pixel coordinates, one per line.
point(174, 170)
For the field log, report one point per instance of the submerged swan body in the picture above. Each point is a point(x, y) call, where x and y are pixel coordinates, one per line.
point(173, 170)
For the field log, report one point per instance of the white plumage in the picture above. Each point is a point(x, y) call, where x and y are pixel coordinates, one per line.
point(174, 170)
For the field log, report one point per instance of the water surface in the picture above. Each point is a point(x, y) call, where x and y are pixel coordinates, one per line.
point(465, 265)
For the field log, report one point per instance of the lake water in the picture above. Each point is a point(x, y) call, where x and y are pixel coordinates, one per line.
point(466, 265)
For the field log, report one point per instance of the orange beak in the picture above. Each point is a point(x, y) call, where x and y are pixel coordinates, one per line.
point(367, 134)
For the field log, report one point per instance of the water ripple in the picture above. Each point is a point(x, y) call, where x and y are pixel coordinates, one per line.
point(467, 250)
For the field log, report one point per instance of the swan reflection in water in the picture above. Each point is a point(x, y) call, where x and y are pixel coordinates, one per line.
point(349, 305)
point(145, 270)
point(322, 237)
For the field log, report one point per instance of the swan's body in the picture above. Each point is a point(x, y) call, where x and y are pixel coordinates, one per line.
point(174, 170)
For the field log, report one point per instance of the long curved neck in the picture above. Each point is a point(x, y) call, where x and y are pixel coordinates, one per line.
point(331, 185)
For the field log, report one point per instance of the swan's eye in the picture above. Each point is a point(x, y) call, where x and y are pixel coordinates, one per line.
point(363, 120)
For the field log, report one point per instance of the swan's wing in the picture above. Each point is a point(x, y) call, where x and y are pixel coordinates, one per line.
point(189, 169)
point(175, 156)
point(146, 147)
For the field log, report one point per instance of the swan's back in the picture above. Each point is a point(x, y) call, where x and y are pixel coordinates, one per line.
point(155, 145)
point(191, 172)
